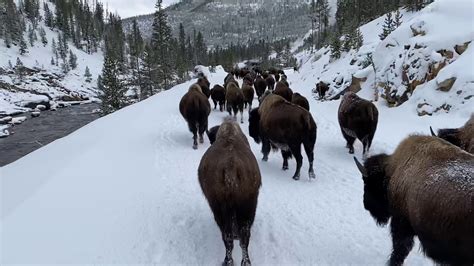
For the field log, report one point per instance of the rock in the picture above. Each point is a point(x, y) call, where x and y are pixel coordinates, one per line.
point(417, 28)
point(461, 48)
point(18, 120)
point(446, 53)
point(34, 105)
point(434, 69)
point(446, 85)
point(5, 120)
point(35, 114)
point(355, 83)
point(41, 107)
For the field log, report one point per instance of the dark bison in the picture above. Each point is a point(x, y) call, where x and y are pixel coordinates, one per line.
point(278, 123)
point(260, 86)
point(218, 96)
point(248, 79)
point(235, 100)
point(358, 119)
point(462, 137)
point(270, 82)
point(300, 100)
point(204, 84)
point(195, 108)
point(283, 90)
point(426, 187)
point(249, 93)
point(322, 88)
point(230, 180)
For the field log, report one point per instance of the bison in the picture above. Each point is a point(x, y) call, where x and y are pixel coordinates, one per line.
point(462, 137)
point(234, 100)
point(248, 93)
point(278, 123)
point(204, 84)
point(218, 96)
point(426, 187)
point(300, 100)
point(260, 86)
point(283, 90)
point(195, 108)
point(230, 180)
point(270, 82)
point(358, 119)
point(322, 88)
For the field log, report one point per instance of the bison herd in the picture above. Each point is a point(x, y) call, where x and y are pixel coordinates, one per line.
point(424, 189)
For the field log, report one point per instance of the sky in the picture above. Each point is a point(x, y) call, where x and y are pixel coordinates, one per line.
point(127, 8)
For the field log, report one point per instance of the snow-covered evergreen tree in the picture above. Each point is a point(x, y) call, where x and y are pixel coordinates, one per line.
point(42, 33)
point(335, 47)
point(72, 60)
point(88, 75)
point(111, 88)
point(387, 27)
point(23, 46)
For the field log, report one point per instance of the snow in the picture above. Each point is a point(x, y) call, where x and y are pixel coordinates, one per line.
point(18, 120)
point(4, 132)
point(103, 195)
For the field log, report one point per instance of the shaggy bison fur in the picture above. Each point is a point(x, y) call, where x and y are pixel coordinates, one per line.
point(300, 100)
point(195, 108)
point(358, 119)
point(230, 180)
point(234, 100)
point(283, 90)
point(249, 93)
point(270, 82)
point(260, 86)
point(218, 97)
point(462, 137)
point(426, 189)
point(204, 84)
point(278, 123)
point(322, 88)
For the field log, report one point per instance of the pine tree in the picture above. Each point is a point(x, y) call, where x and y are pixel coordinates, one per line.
point(347, 43)
point(52, 61)
point(19, 68)
point(112, 91)
point(161, 44)
point(398, 18)
point(72, 60)
point(181, 59)
point(335, 47)
point(358, 39)
point(10, 65)
point(23, 46)
point(32, 36)
point(388, 26)
point(55, 50)
point(88, 75)
point(48, 16)
point(147, 87)
point(42, 33)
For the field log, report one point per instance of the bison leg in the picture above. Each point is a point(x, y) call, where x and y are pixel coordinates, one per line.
point(266, 148)
point(402, 240)
point(296, 151)
point(308, 148)
point(286, 155)
point(193, 129)
point(229, 109)
point(215, 104)
point(242, 115)
point(350, 142)
point(228, 239)
point(245, 216)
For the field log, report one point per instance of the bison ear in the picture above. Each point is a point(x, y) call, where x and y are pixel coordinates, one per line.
point(432, 132)
point(361, 168)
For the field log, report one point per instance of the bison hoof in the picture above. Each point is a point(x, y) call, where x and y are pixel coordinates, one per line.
point(228, 262)
point(201, 140)
point(351, 151)
point(296, 177)
point(246, 262)
point(265, 158)
point(285, 167)
point(312, 175)
point(195, 146)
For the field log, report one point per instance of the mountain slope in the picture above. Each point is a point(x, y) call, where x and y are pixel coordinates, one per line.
point(225, 21)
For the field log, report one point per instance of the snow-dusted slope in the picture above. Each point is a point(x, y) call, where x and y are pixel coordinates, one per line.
point(428, 59)
point(124, 189)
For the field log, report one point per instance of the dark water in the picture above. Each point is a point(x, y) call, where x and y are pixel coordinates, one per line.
point(37, 132)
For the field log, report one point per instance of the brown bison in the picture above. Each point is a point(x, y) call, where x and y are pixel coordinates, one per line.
point(260, 86)
point(270, 82)
point(358, 119)
point(248, 92)
point(248, 79)
point(322, 88)
point(195, 108)
point(426, 187)
point(230, 180)
point(218, 96)
point(462, 137)
point(278, 123)
point(235, 100)
point(204, 84)
point(300, 100)
point(283, 90)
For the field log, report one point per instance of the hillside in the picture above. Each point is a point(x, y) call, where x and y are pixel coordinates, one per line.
point(223, 22)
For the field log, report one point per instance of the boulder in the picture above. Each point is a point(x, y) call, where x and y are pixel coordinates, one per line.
point(461, 48)
point(35, 114)
point(446, 84)
point(5, 120)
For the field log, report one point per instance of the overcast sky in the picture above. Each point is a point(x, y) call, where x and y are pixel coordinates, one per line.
point(130, 8)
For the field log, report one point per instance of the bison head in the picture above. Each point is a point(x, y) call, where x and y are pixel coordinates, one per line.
point(212, 133)
point(451, 135)
point(254, 125)
point(375, 187)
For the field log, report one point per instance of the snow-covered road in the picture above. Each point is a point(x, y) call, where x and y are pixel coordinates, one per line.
point(124, 189)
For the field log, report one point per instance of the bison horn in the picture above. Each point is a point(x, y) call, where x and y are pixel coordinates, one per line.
point(432, 132)
point(361, 168)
